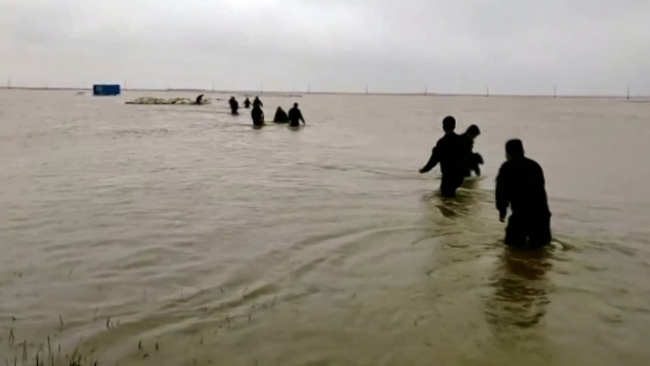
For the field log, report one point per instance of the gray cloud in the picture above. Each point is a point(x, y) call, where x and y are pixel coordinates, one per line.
point(516, 46)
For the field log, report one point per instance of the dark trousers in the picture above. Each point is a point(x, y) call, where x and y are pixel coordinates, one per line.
point(449, 184)
point(528, 231)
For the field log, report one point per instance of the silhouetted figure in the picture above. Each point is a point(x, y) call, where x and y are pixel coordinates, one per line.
point(199, 99)
point(257, 102)
point(234, 106)
point(474, 160)
point(280, 116)
point(258, 116)
point(295, 116)
point(449, 153)
point(247, 103)
point(520, 186)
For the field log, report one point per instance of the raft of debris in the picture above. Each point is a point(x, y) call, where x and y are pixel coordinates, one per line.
point(164, 101)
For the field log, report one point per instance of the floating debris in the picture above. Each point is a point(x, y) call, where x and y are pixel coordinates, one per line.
point(164, 101)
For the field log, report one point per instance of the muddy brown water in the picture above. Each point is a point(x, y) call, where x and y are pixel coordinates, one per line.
point(178, 235)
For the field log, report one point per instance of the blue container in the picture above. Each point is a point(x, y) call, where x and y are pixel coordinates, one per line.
point(106, 89)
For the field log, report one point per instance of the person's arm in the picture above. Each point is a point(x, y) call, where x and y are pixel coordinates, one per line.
point(302, 119)
point(478, 160)
point(501, 193)
point(433, 161)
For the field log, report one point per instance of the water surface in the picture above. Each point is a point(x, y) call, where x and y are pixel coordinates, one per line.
point(178, 235)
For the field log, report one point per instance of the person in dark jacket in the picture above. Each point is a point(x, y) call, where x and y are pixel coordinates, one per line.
point(450, 154)
point(474, 160)
point(521, 186)
point(234, 106)
point(258, 116)
point(280, 116)
point(295, 116)
point(247, 103)
point(257, 102)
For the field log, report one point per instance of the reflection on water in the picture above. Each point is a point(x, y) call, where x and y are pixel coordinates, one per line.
point(521, 290)
point(464, 204)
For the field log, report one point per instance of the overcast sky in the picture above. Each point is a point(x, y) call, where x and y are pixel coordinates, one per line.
point(454, 46)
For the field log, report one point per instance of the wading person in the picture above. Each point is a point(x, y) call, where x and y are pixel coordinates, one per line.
point(280, 116)
point(234, 106)
point(295, 116)
point(521, 186)
point(449, 153)
point(258, 116)
point(474, 160)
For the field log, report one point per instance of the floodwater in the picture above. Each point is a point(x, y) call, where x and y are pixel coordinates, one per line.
point(178, 235)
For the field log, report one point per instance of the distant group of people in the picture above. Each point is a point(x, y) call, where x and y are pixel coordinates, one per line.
point(520, 183)
point(294, 117)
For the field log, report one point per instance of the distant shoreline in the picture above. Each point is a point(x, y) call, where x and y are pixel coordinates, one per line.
point(296, 93)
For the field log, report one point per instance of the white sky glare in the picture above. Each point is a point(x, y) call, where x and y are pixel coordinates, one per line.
point(595, 47)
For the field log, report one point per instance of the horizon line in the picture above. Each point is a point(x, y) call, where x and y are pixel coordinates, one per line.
point(302, 93)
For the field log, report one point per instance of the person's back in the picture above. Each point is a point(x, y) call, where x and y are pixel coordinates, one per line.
point(295, 116)
point(258, 116)
point(448, 152)
point(247, 103)
point(280, 116)
point(473, 160)
point(521, 186)
point(257, 102)
point(467, 142)
point(234, 105)
point(449, 149)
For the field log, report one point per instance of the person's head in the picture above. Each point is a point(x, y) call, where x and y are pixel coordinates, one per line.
point(514, 149)
point(295, 105)
point(279, 109)
point(449, 124)
point(473, 131)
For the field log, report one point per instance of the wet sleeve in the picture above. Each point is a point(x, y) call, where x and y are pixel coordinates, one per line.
point(433, 161)
point(502, 192)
